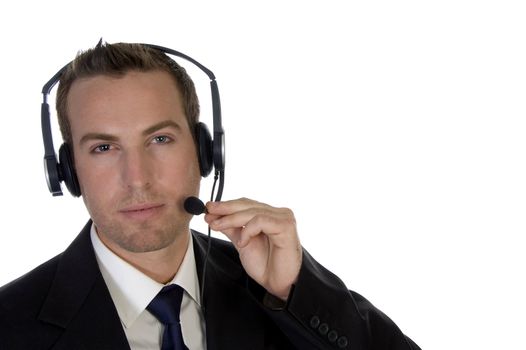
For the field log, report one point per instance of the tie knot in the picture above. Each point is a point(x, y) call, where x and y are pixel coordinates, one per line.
point(167, 304)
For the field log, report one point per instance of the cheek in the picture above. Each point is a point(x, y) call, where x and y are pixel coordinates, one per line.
point(96, 183)
point(182, 171)
point(193, 170)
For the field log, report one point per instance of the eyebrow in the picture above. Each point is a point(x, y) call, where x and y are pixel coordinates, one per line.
point(161, 125)
point(97, 136)
point(108, 137)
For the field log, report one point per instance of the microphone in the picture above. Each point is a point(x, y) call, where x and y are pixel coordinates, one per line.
point(194, 206)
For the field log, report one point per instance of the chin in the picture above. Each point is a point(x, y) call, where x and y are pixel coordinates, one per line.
point(143, 238)
point(150, 242)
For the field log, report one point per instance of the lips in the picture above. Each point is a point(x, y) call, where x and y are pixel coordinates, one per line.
point(142, 211)
point(140, 207)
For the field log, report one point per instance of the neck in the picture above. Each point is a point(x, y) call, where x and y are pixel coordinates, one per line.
point(160, 265)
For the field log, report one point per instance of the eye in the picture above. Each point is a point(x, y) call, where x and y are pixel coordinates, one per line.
point(161, 139)
point(102, 148)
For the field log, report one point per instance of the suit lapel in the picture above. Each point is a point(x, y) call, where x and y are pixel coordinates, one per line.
point(79, 301)
point(233, 319)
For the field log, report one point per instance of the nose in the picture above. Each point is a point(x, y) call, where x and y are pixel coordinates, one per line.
point(137, 169)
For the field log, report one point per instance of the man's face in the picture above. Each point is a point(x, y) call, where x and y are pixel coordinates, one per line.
point(135, 158)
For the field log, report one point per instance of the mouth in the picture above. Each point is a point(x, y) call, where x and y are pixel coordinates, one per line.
point(142, 211)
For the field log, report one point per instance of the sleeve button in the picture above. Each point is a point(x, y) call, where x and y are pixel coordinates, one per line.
point(323, 328)
point(342, 342)
point(332, 336)
point(314, 321)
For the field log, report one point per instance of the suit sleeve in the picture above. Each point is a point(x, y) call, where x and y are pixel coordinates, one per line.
point(321, 313)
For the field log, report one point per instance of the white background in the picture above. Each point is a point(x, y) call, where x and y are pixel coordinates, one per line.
point(393, 129)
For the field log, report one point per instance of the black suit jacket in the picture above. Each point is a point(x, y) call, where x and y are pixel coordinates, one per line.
point(64, 304)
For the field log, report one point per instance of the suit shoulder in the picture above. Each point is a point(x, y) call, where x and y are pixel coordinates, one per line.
point(23, 297)
point(224, 246)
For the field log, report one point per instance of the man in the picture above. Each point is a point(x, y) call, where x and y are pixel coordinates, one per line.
point(128, 114)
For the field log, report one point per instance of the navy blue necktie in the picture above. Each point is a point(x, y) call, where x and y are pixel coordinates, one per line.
point(165, 307)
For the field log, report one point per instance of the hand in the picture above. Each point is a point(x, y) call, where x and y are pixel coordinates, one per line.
point(266, 239)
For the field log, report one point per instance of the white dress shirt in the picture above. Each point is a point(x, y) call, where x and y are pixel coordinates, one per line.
point(132, 291)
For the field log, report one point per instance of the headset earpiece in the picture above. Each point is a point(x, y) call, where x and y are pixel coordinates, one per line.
point(67, 170)
point(204, 148)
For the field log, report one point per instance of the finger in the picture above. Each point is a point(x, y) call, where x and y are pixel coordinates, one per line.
point(237, 219)
point(233, 235)
point(210, 218)
point(277, 227)
point(232, 206)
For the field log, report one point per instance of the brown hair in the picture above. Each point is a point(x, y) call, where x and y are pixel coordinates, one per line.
point(117, 60)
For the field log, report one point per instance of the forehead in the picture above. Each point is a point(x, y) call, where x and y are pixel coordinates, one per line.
point(134, 99)
point(99, 88)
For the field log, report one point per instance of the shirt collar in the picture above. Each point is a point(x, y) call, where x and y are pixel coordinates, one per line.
point(130, 289)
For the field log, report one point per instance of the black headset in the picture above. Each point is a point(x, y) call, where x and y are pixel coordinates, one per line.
point(211, 152)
